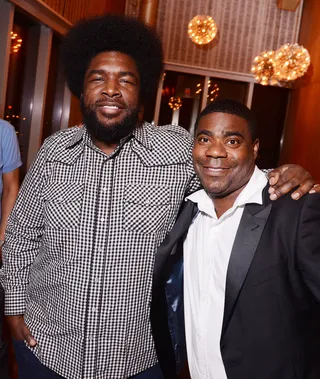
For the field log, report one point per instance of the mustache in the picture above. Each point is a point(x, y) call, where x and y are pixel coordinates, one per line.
point(102, 102)
point(213, 163)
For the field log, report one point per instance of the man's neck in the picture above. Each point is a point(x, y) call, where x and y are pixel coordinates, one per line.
point(105, 147)
point(222, 204)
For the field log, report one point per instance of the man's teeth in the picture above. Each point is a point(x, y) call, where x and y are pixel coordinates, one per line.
point(110, 107)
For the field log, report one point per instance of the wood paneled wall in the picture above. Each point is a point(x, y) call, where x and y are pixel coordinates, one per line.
point(302, 136)
point(73, 10)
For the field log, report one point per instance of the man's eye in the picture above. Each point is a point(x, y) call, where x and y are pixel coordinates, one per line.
point(203, 139)
point(97, 79)
point(233, 142)
point(126, 81)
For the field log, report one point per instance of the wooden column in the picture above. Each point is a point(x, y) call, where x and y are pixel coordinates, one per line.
point(302, 134)
point(148, 12)
point(288, 5)
point(117, 7)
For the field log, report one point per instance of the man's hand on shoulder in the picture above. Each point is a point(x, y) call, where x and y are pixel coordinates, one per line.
point(19, 330)
point(285, 178)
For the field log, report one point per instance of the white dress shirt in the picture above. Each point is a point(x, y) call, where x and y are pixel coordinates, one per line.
point(207, 251)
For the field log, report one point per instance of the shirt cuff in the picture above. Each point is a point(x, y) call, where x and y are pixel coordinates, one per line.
point(15, 303)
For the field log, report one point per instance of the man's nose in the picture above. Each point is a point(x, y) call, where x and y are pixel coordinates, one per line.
point(216, 150)
point(111, 88)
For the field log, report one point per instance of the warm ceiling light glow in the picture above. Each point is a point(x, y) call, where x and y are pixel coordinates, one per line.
point(287, 64)
point(263, 69)
point(214, 92)
point(16, 42)
point(291, 62)
point(175, 103)
point(202, 29)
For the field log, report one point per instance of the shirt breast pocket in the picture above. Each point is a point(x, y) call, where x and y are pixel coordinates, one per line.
point(62, 205)
point(145, 208)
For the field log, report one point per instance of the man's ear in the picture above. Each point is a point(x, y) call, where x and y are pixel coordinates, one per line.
point(256, 145)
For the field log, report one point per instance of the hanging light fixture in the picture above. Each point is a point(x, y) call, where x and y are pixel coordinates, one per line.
point(291, 62)
point(214, 92)
point(283, 66)
point(202, 29)
point(175, 103)
point(16, 42)
point(263, 68)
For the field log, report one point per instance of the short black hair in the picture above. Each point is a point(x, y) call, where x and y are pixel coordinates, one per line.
point(110, 32)
point(232, 107)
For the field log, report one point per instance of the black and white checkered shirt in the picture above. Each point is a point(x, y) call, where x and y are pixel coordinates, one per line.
point(80, 244)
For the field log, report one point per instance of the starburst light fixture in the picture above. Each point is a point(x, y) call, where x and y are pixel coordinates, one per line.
point(281, 67)
point(16, 42)
point(214, 92)
point(202, 29)
point(263, 68)
point(175, 103)
point(291, 62)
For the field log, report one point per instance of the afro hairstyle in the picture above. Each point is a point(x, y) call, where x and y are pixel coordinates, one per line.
point(109, 32)
point(232, 107)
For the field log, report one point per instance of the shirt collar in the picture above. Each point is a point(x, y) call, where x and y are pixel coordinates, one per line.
point(143, 136)
point(252, 193)
point(77, 137)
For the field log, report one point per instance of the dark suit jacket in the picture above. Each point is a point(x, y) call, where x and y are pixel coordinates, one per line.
point(271, 326)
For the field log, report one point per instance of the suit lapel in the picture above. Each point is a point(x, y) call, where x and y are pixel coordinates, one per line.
point(247, 239)
point(184, 219)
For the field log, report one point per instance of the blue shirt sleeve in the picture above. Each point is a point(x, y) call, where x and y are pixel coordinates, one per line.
point(9, 148)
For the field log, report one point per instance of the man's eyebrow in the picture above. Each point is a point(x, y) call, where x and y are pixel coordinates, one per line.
point(121, 73)
point(225, 134)
point(128, 73)
point(231, 134)
point(205, 132)
point(95, 71)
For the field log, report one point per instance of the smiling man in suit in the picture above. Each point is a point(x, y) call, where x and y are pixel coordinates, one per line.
point(251, 266)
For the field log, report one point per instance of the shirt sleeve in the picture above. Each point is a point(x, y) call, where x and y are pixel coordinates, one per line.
point(23, 235)
point(194, 183)
point(10, 149)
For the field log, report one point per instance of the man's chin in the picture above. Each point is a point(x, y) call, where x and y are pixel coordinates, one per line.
point(109, 125)
point(111, 129)
point(111, 132)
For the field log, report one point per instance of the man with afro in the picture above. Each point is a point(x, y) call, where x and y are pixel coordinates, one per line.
point(97, 202)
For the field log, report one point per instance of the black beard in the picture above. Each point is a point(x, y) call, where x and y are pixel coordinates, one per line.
point(111, 134)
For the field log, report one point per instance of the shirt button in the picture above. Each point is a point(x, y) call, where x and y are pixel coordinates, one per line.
point(104, 189)
point(147, 202)
point(94, 309)
point(102, 219)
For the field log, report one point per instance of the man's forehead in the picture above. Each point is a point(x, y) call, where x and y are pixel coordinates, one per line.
point(113, 56)
point(221, 120)
point(113, 61)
